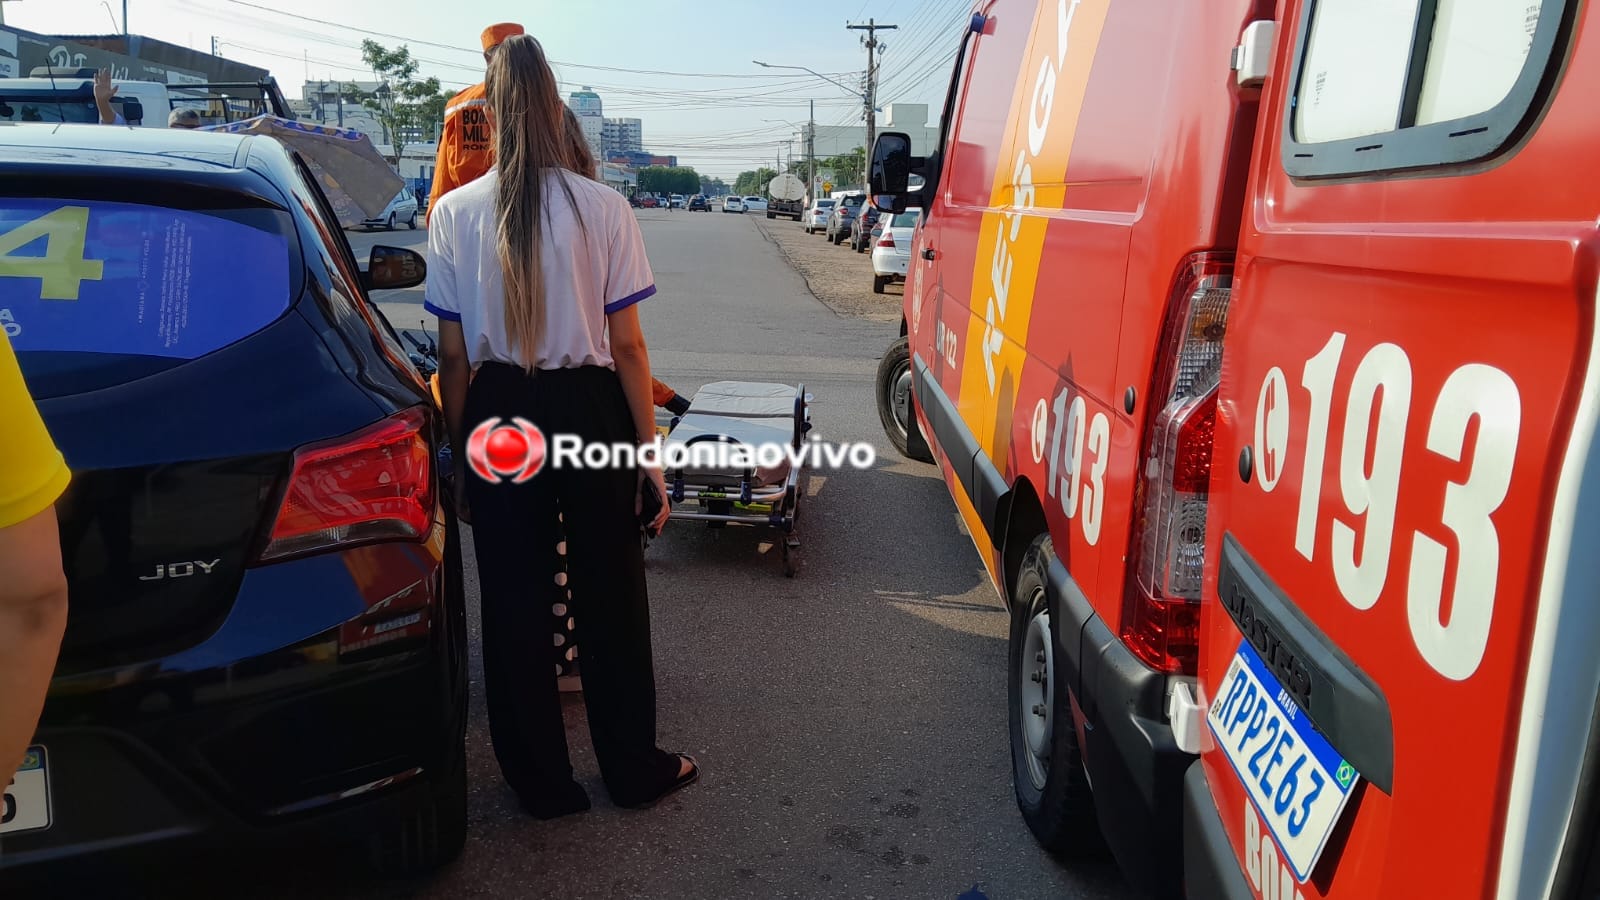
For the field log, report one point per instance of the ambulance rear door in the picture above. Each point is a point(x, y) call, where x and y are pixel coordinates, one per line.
point(1398, 642)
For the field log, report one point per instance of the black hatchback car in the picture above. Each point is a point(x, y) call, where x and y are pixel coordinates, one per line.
point(267, 632)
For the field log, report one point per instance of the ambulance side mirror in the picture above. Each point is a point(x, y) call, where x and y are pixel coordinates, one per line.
point(892, 164)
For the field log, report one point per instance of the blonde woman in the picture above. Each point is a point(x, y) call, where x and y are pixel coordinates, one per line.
point(535, 273)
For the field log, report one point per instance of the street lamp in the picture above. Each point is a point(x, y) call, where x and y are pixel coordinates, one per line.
point(848, 89)
point(811, 131)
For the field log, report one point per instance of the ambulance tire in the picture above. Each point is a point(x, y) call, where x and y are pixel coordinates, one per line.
point(1061, 813)
point(894, 372)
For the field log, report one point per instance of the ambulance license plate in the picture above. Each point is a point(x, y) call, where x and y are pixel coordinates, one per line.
point(1295, 778)
point(25, 805)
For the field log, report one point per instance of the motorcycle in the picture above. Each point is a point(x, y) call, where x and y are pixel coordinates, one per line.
point(426, 359)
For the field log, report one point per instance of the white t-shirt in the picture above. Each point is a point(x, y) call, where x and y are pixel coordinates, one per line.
point(586, 277)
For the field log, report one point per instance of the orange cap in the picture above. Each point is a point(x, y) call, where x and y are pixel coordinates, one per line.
point(494, 34)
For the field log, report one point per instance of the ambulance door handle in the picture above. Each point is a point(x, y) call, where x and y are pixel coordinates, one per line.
point(927, 253)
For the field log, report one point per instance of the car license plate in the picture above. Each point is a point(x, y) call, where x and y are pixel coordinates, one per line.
point(27, 799)
point(1295, 778)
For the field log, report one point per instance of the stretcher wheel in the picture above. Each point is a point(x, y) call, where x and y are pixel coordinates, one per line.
point(791, 556)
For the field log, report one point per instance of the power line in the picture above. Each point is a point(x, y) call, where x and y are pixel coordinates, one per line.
point(477, 52)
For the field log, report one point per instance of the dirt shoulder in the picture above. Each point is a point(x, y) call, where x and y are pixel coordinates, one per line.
point(838, 276)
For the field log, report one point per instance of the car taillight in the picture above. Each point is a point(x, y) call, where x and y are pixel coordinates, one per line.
point(374, 485)
point(886, 241)
point(1161, 612)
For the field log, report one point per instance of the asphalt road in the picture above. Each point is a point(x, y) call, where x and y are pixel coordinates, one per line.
point(851, 722)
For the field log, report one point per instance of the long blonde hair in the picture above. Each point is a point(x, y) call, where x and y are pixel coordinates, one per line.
point(579, 155)
point(530, 143)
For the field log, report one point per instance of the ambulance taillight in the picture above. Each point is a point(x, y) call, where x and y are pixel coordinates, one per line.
point(1161, 612)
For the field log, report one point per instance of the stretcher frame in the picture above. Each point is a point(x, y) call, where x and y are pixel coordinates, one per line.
point(775, 506)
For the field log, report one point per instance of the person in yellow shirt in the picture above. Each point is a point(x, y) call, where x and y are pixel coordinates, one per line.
point(33, 594)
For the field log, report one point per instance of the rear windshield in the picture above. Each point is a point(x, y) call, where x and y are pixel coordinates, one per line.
point(75, 107)
point(906, 219)
point(824, 204)
point(853, 201)
point(95, 293)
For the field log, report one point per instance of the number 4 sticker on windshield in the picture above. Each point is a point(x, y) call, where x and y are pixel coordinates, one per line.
point(62, 269)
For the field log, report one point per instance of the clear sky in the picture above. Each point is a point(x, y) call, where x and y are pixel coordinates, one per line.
point(683, 67)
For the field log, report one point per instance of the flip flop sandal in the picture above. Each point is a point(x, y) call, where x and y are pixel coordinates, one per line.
point(678, 784)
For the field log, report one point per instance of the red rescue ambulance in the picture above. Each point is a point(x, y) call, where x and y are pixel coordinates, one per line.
point(1254, 344)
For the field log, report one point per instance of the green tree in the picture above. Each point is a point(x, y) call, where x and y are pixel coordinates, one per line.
point(846, 168)
point(712, 186)
point(685, 180)
point(403, 101)
point(755, 182)
point(669, 180)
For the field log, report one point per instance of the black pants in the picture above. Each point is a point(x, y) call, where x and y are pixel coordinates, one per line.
point(516, 529)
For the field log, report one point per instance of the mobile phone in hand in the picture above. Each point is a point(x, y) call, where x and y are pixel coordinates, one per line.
point(650, 507)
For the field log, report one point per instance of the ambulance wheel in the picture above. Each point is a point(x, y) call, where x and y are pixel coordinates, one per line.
point(1047, 770)
point(894, 403)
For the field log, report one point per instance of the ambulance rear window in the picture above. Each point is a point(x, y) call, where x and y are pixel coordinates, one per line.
point(1373, 93)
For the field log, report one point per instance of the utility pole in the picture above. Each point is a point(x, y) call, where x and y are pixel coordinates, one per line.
point(811, 148)
point(871, 95)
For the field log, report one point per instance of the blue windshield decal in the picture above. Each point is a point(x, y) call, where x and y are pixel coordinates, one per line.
point(122, 278)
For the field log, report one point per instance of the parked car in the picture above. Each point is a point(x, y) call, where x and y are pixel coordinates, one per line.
point(753, 203)
point(816, 218)
point(732, 204)
point(678, 201)
point(839, 219)
point(891, 251)
point(647, 201)
point(403, 208)
point(267, 633)
point(698, 203)
point(861, 227)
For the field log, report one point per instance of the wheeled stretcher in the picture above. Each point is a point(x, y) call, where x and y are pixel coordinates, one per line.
point(751, 415)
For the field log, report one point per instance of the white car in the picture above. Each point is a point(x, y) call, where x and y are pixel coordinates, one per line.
point(755, 204)
point(816, 217)
point(403, 208)
point(891, 253)
point(679, 201)
point(732, 204)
